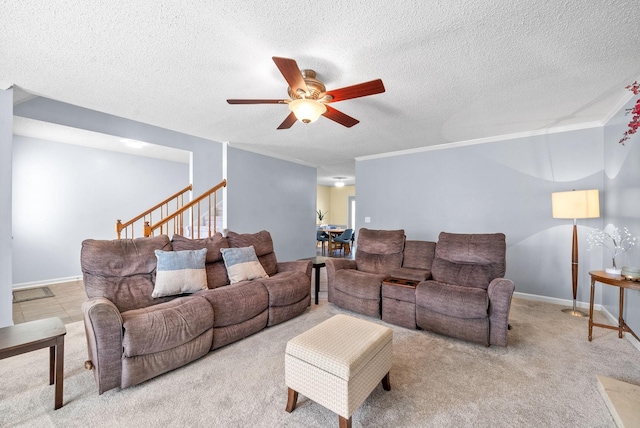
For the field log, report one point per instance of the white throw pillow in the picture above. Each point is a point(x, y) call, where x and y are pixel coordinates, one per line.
point(242, 264)
point(180, 272)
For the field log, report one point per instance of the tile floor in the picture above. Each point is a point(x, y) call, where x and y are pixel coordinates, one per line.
point(67, 302)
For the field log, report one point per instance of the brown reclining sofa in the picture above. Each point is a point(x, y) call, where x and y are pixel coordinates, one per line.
point(133, 337)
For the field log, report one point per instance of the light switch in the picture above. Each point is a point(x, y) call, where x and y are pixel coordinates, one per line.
point(367, 219)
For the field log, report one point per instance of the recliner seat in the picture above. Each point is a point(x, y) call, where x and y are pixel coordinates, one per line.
point(467, 296)
point(355, 284)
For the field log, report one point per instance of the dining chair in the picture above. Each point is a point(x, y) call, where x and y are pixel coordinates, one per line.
point(345, 240)
point(322, 237)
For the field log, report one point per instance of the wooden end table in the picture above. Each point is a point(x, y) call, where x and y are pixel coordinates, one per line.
point(30, 336)
point(616, 281)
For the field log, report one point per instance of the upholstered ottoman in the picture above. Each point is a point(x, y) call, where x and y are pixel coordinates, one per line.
point(338, 363)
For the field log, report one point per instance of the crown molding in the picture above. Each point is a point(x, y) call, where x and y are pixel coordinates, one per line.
point(617, 107)
point(525, 134)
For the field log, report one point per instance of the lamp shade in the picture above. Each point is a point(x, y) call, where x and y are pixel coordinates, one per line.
point(307, 110)
point(576, 204)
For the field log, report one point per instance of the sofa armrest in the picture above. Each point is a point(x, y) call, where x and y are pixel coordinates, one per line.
point(296, 266)
point(334, 265)
point(103, 327)
point(500, 292)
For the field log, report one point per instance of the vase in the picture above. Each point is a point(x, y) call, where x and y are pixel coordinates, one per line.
point(613, 270)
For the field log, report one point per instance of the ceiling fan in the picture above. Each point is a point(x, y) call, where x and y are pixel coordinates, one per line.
point(309, 97)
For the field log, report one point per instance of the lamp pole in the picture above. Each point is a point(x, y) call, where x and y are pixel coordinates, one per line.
point(574, 273)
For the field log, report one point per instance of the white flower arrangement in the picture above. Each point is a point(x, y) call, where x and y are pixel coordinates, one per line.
point(617, 242)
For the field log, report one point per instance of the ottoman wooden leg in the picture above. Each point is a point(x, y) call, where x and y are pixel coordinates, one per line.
point(344, 423)
point(386, 382)
point(292, 399)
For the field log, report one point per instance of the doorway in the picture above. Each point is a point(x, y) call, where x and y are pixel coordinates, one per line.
point(351, 213)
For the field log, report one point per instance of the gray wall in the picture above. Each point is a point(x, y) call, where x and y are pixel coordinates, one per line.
point(63, 194)
point(622, 206)
point(503, 187)
point(207, 154)
point(6, 130)
point(274, 195)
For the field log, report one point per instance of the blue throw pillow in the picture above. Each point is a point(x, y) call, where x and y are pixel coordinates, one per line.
point(180, 272)
point(242, 264)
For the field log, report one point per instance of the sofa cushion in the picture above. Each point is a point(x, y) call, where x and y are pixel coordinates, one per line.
point(479, 248)
point(359, 284)
point(242, 264)
point(213, 245)
point(180, 272)
point(165, 326)
point(122, 270)
point(216, 271)
point(453, 300)
point(237, 303)
point(379, 251)
point(418, 254)
point(263, 245)
point(471, 275)
point(469, 259)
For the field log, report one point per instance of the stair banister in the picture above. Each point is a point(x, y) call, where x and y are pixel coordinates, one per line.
point(179, 202)
point(178, 215)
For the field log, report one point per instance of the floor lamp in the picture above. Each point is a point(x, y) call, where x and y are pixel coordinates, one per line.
point(575, 204)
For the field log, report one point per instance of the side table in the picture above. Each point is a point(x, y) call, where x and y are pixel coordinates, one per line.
point(317, 262)
point(616, 281)
point(30, 336)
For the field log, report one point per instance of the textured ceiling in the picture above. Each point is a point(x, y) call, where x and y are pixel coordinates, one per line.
point(453, 70)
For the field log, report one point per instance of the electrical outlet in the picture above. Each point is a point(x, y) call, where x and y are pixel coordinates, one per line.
point(367, 219)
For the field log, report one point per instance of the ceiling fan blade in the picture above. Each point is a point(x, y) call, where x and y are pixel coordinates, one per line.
point(256, 101)
point(356, 91)
point(288, 122)
point(291, 72)
point(341, 118)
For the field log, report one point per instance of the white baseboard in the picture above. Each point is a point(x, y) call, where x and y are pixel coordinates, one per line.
point(43, 283)
point(614, 321)
point(555, 301)
point(584, 305)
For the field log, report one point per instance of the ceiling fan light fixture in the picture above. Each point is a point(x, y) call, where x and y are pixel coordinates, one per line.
point(306, 110)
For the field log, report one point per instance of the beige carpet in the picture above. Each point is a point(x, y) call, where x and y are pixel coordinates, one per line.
point(545, 378)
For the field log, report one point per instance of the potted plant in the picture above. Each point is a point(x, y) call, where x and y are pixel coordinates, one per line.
point(321, 214)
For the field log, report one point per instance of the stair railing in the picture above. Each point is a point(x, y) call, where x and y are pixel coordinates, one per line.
point(147, 216)
point(190, 218)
